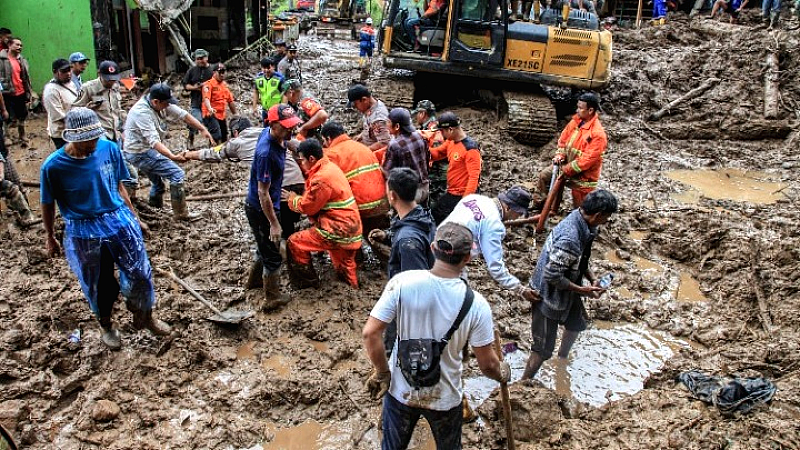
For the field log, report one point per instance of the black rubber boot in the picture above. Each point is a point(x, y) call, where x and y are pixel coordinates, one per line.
point(109, 335)
point(180, 211)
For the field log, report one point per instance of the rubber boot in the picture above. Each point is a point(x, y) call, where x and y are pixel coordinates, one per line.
point(662, 21)
point(526, 11)
point(18, 203)
point(301, 276)
point(180, 211)
point(254, 277)
point(23, 139)
point(774, 20)
point(156, 201)
point(145, 320)
point(131, 192)
point(109, 335)
point(273, 297)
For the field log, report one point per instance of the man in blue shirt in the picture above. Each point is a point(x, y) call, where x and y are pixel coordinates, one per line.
point(558, 278)
point(262, 206)
point(101, 230)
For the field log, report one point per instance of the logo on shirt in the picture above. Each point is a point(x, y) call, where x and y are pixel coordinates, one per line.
point(477, 214)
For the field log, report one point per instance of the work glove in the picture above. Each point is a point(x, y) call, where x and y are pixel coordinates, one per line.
point(378, 384)
point(505, 372)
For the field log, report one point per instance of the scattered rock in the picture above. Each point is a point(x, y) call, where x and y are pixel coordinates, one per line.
point(105, 411)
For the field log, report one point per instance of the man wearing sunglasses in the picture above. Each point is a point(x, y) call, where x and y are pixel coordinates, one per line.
point(58, 96)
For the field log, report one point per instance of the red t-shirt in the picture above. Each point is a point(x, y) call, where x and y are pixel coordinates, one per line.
point(16, 76)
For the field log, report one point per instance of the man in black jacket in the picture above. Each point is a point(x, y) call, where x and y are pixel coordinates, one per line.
point(410, 234)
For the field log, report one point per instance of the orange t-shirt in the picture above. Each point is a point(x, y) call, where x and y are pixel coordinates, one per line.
point(218, 95)
point(464, 170)
point(16, 76)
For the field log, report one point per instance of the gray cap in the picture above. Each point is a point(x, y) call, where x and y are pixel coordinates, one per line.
point(517, 198)
point(82, 124)
point(200, 53)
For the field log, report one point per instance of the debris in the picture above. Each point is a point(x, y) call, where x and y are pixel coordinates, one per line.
point(729, 395)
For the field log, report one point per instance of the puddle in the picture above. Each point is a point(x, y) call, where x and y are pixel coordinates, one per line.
point(313, 435)
point(689, 289)
point(607, 362)
point(726, 184)
point(640, 263)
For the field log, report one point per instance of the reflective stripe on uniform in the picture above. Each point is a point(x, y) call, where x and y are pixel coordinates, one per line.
point(363, 169)
point(336, 238)
point(588, 184)
point(340, 204)
point(371, 205)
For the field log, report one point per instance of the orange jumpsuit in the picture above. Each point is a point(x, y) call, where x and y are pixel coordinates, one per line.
point(363, 172)
point(583, 147)
point(336, 226)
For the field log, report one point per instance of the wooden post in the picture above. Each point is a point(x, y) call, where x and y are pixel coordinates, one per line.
point(505, 398)
point(138, 48)
point(772, 87)
point(639, 15)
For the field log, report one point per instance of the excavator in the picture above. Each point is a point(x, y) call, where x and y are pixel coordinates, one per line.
point(477, 45)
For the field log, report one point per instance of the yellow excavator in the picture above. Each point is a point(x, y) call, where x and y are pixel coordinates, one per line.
point(476, 44)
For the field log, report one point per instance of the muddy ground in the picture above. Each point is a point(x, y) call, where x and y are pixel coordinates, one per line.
point(211, 387)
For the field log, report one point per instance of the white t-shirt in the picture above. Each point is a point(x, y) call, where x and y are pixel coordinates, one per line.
point(429, 307)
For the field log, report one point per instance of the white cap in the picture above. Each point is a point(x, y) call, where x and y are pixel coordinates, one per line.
point(368, 21)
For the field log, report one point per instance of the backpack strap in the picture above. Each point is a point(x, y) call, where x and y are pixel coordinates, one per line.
point(468, 297)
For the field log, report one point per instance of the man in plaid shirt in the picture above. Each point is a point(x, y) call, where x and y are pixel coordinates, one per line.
point(407, 149)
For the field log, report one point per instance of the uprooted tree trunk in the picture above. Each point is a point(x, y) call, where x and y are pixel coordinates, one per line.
point(751, 130)
point(694, 93)
point(772, 87)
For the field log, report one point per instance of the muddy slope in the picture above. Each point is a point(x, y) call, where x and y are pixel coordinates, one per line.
point(209, 387)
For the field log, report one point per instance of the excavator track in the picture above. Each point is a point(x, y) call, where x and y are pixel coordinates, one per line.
point(395, 91)
point(531, 118)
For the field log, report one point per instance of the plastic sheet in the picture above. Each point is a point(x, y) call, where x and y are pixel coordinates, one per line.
point(119, 234)
point(729, 395)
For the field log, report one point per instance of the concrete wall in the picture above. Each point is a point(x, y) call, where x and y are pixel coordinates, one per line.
point(50, 29)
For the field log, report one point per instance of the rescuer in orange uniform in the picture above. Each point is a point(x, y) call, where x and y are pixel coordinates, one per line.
point(464, 165)
point(580, 153)
point(363, 172)
point(331, 207)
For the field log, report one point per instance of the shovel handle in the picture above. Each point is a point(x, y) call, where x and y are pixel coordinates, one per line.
point(506, 398)
point(189, 289)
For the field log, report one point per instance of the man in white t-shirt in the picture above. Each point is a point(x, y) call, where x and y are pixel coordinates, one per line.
point(484, 216)
point(425, 304)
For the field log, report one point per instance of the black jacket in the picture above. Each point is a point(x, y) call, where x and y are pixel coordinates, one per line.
point(411, 242)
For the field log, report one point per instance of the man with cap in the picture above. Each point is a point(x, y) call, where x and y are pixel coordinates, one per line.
point(484, 216)
point(78, 62)
point(430, 305)
point(280, 51)
point(145, 129)
point(57, 98)
point(101, 229)
point(407, 149)
point(267, 92)
point(308, 109)
point(563, 264)
point(375, 131)
point(216, 96)
point(193, 82)
point(366, 43)
point(464, 164)
point(103, 97)
point(15, 82)
point(580, 153)
point(262, 206)
point(331, 208)
point(425, 116)
point(289, 66)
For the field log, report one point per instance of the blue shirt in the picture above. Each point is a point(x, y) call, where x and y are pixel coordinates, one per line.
point(267, 167)
point(84, 188)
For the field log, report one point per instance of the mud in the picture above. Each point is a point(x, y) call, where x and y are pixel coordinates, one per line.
point(303, 367)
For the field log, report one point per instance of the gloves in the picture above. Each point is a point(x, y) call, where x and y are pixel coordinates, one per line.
point(505, 372)
point(378, 384)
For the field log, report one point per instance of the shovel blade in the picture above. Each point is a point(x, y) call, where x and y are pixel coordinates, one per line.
point(231, 316)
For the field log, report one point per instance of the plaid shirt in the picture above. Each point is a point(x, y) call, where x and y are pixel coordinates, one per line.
point(408, 150)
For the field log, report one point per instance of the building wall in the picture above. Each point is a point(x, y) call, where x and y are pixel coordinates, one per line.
point(50, 29)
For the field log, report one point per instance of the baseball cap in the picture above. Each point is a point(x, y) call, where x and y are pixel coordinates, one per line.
point(293, 84)
point(517, 198)
point(292, 48)
point(357, 92)
point(424, 105)
point(97, 26)
point(109, 70)
point(60, 64)
point(218, 67)
point(77, 57)
point(368, 21)
point(284, 114)
point(279, 43)
point(401, 117)
point(454, 240)
point(200, 53)
point(449, 120)
point(162, 91)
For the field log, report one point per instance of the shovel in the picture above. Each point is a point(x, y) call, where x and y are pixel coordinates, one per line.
point(227, 317)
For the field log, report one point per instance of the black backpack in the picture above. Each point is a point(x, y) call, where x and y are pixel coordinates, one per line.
point(419, 358)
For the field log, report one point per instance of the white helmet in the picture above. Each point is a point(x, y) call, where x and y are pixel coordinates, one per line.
point(368, 21)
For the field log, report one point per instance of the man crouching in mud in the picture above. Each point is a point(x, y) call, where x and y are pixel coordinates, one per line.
point(561, 267)
point(101, 230)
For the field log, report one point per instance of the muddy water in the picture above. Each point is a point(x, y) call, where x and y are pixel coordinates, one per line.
point(727, 184)
point(607, 362)
point(313, 435)
point(689, 289)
